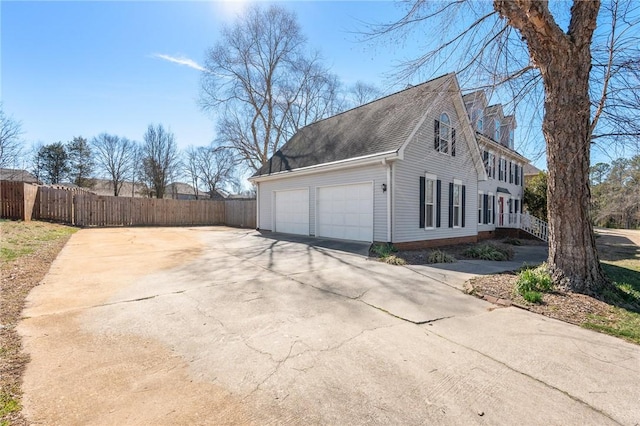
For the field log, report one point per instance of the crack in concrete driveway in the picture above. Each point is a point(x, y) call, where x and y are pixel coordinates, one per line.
point(243, 328)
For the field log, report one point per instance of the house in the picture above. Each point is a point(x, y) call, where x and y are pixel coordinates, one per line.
point(18, 175)
point(407, 169)
point(530, 171)
point(184, 191)
point(104, 187)
point(500, 196)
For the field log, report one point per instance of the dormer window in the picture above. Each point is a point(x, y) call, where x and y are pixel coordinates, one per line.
point(511, 138)
point(444, 135)
point(480, 121)
point(496, 135)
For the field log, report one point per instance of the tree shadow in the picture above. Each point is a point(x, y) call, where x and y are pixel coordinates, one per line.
point(626, 293)
point(614, 247)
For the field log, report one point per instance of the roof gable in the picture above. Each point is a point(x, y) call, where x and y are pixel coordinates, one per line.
point(381, 126)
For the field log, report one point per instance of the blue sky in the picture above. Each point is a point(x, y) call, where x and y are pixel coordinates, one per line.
point(82, 68)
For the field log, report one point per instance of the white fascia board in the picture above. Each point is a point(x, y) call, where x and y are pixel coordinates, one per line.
point(469, 133)
point(327, 167)
point(491, 144)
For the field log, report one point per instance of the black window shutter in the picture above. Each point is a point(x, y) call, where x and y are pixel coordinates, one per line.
point(450, 204)
point(464, 199)
point(438, 204)
point(436, 135)
point(453, 142)
point(422, 204)
point(485, 208)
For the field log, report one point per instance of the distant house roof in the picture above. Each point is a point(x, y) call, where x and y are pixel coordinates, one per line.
point(182, 189)
point(17, 175)
point(377, 127)
point(531, 170)
point(105, 187)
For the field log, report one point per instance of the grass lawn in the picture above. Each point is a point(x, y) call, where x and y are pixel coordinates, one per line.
point(624, 320)
point(26, 252)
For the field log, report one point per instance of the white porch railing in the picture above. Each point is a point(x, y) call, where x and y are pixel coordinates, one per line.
point(531, 224)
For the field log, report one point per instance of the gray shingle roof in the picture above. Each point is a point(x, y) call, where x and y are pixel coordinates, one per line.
point(18, 175)
point(379, 126)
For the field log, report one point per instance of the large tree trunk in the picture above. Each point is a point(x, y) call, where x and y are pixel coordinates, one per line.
point(564, 61)
point(573, 259)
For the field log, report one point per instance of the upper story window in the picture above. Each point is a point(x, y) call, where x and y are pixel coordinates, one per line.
point(511, 138)
point(444, 135)
point(480, 121)
point(496, 135)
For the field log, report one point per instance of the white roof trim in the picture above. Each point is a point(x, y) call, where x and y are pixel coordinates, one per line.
point(335, 165)
point(467, 128)
point(491, 144)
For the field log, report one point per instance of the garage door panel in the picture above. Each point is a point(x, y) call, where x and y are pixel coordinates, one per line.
point(346, 212)
point(292, 211)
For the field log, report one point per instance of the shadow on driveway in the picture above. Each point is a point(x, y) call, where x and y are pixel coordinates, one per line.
point(353, 247)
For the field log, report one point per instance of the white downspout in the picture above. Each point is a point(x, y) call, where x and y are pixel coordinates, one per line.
point(389, 189)
point(257, 205)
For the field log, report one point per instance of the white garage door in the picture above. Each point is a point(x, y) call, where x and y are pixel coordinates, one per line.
point(292, 211)
point(346, 212)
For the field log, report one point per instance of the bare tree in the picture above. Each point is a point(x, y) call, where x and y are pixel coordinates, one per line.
point(522, 46)
point(361, 93)
point(114, 156)
point(314, 95)
point(160, 160)
point(262, 85)
point(10, 143)
point(191, 167)
point(217, 166)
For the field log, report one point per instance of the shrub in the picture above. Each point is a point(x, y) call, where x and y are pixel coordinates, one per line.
point(383, 250)
point(512, 241)
point(488, 251)
point(385, 254)
point(532, 281)
point(394, 260)
point(439, 256)
point(532, 296)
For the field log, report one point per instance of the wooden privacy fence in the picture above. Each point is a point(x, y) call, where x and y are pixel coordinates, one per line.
point(84, 209)
point(17, 200)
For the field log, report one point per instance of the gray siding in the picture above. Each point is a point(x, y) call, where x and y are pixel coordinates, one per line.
point(491, 186)
point(372, 173)
point(420, 157)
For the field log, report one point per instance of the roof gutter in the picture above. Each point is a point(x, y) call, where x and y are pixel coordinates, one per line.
point(326, 167)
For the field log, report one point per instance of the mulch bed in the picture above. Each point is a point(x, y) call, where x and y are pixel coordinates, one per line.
point(569, 307)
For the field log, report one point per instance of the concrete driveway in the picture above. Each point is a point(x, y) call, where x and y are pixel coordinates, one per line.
point(227, 326)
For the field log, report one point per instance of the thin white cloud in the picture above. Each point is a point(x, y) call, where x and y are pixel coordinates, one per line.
point(180, 61)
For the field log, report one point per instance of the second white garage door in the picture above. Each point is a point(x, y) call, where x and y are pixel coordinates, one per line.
point(346, 212)
point(292, 211)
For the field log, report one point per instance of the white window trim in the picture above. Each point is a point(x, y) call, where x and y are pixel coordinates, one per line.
point(481, 207)
point(448, 140)
point(457, 182)
point(434, 178)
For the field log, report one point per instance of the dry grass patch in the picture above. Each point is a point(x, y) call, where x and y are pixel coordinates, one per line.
point(27, 249)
